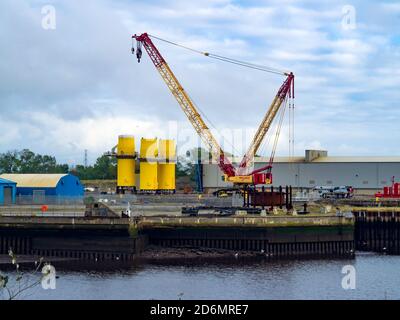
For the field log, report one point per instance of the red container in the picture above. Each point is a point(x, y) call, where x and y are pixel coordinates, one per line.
point(259, 178)
point(385, 191)
point(396, 189)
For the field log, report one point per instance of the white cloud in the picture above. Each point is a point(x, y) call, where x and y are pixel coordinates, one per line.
point(78, 87)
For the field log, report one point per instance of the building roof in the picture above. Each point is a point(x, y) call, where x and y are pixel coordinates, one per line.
point(5, 181)
point(34, 180)
point(358, 159)
point(351, 159)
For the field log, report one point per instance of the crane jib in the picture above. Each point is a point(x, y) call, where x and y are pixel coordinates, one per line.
point(286, 90)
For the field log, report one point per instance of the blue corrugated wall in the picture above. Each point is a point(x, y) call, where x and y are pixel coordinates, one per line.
point(6, 184)
point(68, 186)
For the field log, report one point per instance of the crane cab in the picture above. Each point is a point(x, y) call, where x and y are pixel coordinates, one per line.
point(256, 178)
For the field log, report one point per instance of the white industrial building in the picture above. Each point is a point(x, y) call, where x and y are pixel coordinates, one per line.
point(316, 168)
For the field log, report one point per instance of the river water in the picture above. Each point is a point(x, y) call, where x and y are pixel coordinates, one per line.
point(376, 277)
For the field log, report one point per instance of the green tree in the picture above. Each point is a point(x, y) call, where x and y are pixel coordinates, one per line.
point(9, 162)
point(26, 161)
point(105, 168)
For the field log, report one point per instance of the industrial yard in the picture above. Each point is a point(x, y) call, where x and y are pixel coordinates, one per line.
point(184, 150)
point(282, 207)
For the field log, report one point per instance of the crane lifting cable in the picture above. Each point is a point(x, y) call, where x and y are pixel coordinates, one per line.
point(273, 138)
point(280, 116)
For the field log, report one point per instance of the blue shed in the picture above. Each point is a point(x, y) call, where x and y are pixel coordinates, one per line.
point(8, 190)
point(63, 185)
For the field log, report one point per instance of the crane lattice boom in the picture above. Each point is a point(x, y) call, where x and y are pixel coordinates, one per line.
point(186, 104)
point(285, 90)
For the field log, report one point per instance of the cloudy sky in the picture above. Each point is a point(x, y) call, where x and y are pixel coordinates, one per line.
point(78, 87)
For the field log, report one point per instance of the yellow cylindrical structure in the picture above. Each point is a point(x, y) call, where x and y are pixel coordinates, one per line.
point(126, 173)
point(126, 162)
point(167, 150)
point(148, 149)
point(166, 176)
point(148, 164)
point(126, 146)
point(148, 176)
point(167, 165)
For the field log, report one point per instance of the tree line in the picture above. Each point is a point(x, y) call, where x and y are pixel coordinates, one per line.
point(105, 168)
point(26, 161)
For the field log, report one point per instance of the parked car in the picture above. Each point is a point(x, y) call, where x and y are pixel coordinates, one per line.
point(339, 192)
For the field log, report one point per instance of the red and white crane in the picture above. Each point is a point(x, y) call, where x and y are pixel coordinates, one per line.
point(236, 175)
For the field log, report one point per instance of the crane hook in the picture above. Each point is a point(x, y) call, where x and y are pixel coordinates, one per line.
point(133, 46)
point(139, 51)
point(138, 54)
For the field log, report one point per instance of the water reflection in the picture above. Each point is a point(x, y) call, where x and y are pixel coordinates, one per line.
point(378, 277)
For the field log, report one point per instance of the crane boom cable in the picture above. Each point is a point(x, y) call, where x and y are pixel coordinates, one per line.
point(213, 126)
point(290, 130)
point(248, 64)
point(278, 131)
point(226, 59)
point(293, 127)
point(291, 134)
point(268, 140)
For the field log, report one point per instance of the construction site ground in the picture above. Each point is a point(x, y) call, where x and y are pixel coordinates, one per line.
point(171, 205)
